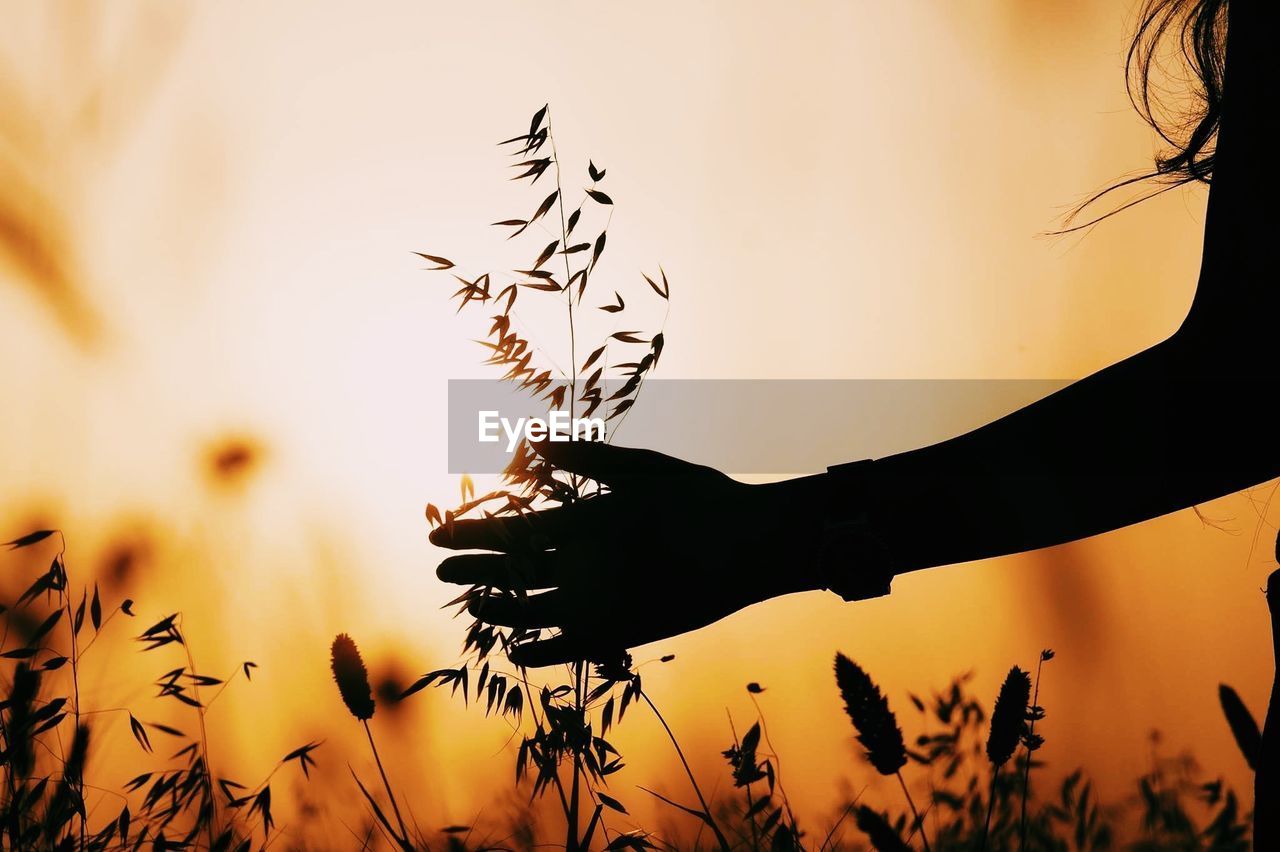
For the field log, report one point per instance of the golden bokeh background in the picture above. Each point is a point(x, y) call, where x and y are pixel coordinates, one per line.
point(224, 371)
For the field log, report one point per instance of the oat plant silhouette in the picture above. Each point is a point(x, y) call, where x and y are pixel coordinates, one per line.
point(1172, 806)
point(877, 728)
point(47, 800)
point(767, 816)
point(1032, 742)
point(569, 718)
point(1007, 720)
point(352, 678)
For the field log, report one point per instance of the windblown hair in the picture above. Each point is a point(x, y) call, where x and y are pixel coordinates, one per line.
point(1175, 69)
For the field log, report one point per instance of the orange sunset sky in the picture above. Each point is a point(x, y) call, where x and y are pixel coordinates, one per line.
point(207, 219)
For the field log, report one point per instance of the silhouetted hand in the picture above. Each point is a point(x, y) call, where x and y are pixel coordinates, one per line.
point(672, 547)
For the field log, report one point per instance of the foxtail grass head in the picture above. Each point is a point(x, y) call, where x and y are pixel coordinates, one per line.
point(1008, 719)
point(352, 677)
point(869, 711)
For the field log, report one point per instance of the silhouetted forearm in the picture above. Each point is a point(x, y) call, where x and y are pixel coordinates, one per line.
point(1132, 442)
point(1175, 425)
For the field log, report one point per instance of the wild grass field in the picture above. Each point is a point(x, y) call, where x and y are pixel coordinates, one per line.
point(966, 767)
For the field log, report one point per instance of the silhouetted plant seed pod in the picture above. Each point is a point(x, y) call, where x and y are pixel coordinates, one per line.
point(352, 678)
point(1008, 718)
point(869, 711)
point(883, 836)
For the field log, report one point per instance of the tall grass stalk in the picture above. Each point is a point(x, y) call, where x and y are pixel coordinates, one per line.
point(386, 784)
point(561, 751)
point(212, 800)
point(1007, 721)
point(752, 689)
point(916, 821)
point(571, 842)
point(1032, 743)
point(352, 678)
point(702, 801)
point(45, 781)
point(75, 673)
point(877, 729)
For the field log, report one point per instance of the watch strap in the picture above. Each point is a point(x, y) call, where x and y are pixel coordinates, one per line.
point(853, 560)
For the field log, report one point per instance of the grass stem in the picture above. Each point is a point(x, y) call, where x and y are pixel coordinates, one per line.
point(991, 807)
point(915, 815)
point(706, 811)
point(386, 785)
point(1026, 772)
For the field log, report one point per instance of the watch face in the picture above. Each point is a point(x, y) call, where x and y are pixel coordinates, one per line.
point(855, 563)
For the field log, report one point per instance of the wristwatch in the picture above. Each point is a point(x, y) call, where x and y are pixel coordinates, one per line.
point(853, 561)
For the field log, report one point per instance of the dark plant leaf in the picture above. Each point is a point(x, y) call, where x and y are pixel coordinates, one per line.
point(536, 123)
point(546, 253)
point(544, 206)
point(139, 733)
point(29, 539)
point(1243, 726)
point(610, 802)
point(664, 290)
point(95, 609)
point(591, 359)
point(597, 250)
point(883, 836)
point(45, 626)
point(441, 263)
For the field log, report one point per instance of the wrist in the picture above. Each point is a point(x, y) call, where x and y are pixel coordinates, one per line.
point(790, 553)
point(853, 559)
